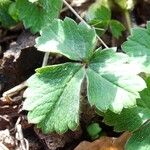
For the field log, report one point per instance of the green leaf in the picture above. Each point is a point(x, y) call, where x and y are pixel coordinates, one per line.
point(138, 47)
point(132, 118)
point(128, 120)
point(36, 15)
point(140, 140)
point(114, 80)
point(52, 97)
point(116, 28)
point(99, 17)
point(66, 37)
point(13, 12)
point(94, 130)
point(98, 12)
point(5, 19)
point(125, 4)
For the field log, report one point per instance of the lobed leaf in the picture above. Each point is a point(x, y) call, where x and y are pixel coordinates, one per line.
point(140, 140)
point(138, 47)
point(52, 97)
point(128, 120)
point(76, 42)
point(38, 14)
point(132, 118)
point(115, 82)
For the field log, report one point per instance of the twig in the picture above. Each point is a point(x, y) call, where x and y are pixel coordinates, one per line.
point(82, 20)
point(23, 142)
point(14, 90)
point(20, 136)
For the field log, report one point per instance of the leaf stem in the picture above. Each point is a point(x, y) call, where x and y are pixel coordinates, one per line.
point(45, 59)
point(82, 20)
point(128, 20)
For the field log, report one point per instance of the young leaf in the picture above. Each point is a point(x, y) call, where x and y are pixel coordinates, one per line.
point(98, 12)
point(36, 15)
point(116, 28)
point(99, 17)
point(66, 37)
point(138, 47)
point(140, 140)
point(115, 82)
point(52, 97)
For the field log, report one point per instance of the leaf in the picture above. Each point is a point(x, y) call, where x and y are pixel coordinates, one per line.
point(116, 28)
point(132, 118)
point(98, 12)
point(13, 12)
point(99, 17)
point(114, 80)
point(52, 97)
point(125, 4)
point(36, 15)
point(128, 120)
point(66, 37)
point(5, 19)
point(138, 47)
point(140, 140)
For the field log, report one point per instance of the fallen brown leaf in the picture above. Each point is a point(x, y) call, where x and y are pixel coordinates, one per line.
point(105, 143)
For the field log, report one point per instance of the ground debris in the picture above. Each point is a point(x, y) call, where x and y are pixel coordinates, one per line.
point(7, 142)
point(105, 143)
point(19, 62)
point(54, 141)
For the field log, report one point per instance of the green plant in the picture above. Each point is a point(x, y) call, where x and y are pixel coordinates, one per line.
point(61, 83)
point(6, 18)
point(94, 130)
point(37, 14)
point(99, 17)
point(118, 83)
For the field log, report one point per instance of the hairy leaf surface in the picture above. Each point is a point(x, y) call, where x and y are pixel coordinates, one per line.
point(52, 97)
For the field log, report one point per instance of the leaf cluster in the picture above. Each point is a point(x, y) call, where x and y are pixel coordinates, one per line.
point(112, 78)
point(99, 16)
point(115, 86)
